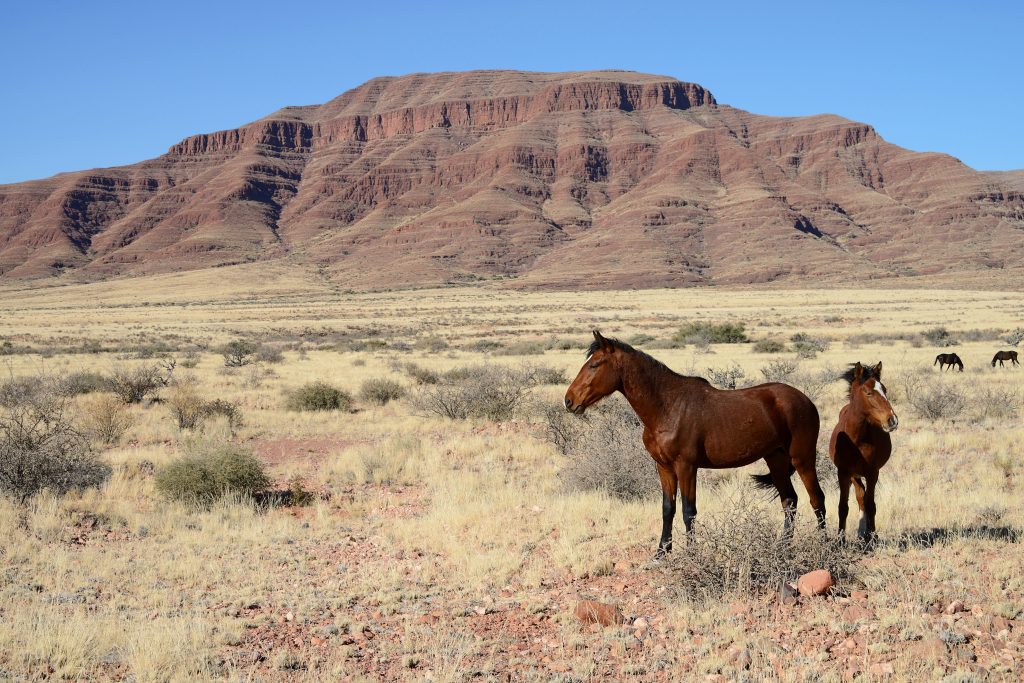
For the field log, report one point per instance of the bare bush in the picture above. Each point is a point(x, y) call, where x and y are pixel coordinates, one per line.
point(492, 392)
point(780, 369)
point(939, 336)
point(996, 403)
point(1015, 337)
point(605, 451)
point(106, 418)
point(133, 384)
point(727, 378)
point(740, 550)
point(187, 407)
point(939, 401)
point(40, 447)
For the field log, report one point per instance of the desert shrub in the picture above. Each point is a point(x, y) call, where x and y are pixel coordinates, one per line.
point(381, 391)
point(225, 408)
point(939, 336)
point(939, 401)
point(1015, 337)
point(605, 450)
point(740, 550)
point(191, 359)
point(492, 392)
point(814, 384)
point(269, 354)
point(187, 407)
point(521, 348)
point(712, 333)
point(996, 403)
point(640, 339)
point(238, 353)
point(420, 374)
point(106, 418)
point(40, 447)
point(431, 344)
point(780, 369)
point(768, 346)
point(807, 346)
point(727, 378)
point(133, 384)
point(81, 383)
point(318, 396)
point(14, 390)
point(212, 470)
point(544, 375)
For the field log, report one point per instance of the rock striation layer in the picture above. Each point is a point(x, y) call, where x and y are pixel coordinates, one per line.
point(594, 179)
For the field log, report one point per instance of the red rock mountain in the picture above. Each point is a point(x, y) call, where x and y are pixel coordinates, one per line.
point(593, 179)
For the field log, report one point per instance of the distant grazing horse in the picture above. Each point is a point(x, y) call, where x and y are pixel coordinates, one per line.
point(950, 359)
point(689, 424)
point(860, 444)
point(1005, 355)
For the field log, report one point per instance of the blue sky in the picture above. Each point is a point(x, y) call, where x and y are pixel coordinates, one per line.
point(102, 84)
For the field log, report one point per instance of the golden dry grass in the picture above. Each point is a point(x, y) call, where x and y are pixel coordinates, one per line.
point(453, 544)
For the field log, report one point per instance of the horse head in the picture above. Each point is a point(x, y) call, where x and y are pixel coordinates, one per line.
point(600, 375)
point(868, 393)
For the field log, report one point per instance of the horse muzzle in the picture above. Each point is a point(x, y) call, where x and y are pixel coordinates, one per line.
point(577, 410)
point(893, 423)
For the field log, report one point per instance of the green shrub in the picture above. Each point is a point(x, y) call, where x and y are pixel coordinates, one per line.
point(319, 396)
point(213, 470)
point(420, 374)
point(381, 391)
point(769, 346)
point(712, 333)
point(269, 354)
point(81, 383)
point(238, 353)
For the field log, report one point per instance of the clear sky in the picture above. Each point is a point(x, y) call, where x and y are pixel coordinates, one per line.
point(91, 84)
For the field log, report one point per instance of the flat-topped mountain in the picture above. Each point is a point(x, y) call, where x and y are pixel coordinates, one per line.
point(592, 179)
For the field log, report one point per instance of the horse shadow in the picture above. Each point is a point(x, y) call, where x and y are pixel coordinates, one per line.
point(927, 538)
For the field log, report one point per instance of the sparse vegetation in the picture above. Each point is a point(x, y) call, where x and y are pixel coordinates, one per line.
point(106, 418)
point(133, 384)
point(712, 333)
point(319, 396)
point(381, 391)
point(768, 346)
point(491, 392)
point(40, 446)
point(212, 470)
point(939, 336)
point(239, 352)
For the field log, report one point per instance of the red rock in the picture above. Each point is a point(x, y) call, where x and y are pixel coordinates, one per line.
point(855, 613)
point(817, 582)
point(955, 607)
point(543, 176)
point(928, 649)
point(593, 612)
point(859, 596)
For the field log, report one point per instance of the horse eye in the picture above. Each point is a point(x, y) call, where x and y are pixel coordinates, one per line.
point(593, 366)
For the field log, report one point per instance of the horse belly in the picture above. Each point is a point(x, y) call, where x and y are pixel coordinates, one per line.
point(746, 444)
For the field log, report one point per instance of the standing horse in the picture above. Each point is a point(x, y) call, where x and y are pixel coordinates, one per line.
point(860, 444)
point(948, 359)
point(689, 424)
point(1005, 355)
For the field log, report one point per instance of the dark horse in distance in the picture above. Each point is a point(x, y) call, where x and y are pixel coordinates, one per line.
point(948, 359)
point(1005, 355)
point(860, 444)
point(689, 424)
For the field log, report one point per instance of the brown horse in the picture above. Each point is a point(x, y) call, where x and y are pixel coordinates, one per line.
point(1005, 355)
point(690, 424)
point(948, 359)
point(860, 444)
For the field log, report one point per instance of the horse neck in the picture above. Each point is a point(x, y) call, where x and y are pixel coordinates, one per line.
point(642, 384)
point(858, 424)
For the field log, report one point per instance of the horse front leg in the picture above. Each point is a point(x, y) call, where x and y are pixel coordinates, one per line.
point(869, 509)
point(844, 501)
point(669, 484)
point(687, 475)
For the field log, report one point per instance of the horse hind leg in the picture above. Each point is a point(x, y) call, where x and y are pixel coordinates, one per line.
point(780, 471)
point(669, 485)
point(803, 454)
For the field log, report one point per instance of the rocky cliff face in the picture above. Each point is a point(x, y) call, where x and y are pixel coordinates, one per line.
point(595, 179)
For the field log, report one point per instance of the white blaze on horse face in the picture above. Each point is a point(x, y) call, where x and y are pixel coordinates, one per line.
point(880, 390)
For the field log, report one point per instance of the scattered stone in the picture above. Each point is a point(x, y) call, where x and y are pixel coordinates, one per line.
point(859, 596)
point(787, 594)
point(955, 607)
point(817, 582)
point(593, 612)
point(881, 669)
point(641, 624)
point(855, 613)
point(930, 648)
point(289, 616)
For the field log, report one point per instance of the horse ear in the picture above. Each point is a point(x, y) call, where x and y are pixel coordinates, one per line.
point(877, 370)
point(605, 344)
point(858, 372)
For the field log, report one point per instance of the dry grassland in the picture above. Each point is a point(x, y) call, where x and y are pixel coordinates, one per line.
point(449, 550)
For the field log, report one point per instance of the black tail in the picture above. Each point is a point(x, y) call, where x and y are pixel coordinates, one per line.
point(764, 481)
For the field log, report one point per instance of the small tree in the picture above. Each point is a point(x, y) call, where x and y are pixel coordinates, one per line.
point(133, 384)
point(238, 353)
point(40, 448)
point(1015, 337)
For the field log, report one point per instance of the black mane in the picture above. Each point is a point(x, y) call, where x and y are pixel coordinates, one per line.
point(869, 372)
point(626, 348)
